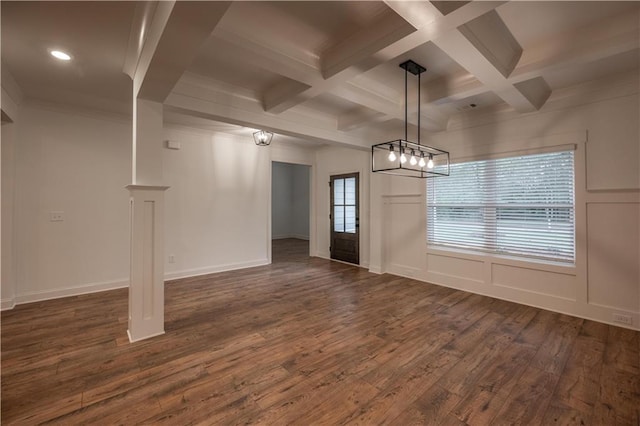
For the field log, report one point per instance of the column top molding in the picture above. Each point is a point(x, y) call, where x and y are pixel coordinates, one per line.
point(133, 187)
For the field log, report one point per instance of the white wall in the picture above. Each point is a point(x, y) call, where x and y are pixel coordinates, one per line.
point(7, 289)
point(290, 201)
point(602, 120)
point(79, 162)
point(216, 207)
point(281, 196)
point(300, 201)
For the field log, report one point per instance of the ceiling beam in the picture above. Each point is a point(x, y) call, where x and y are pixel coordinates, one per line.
point(486, 48)
point(385, 30)
point(398, 37)
point(171, 41)
point(616, 35)
point(613, 36)
point(305, 78)
point(342, 62)
point(358, 116)
point(203, 98)
point(431, 118)
point(238, 47)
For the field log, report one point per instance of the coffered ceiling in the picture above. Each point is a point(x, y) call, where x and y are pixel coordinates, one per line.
point(324, 72)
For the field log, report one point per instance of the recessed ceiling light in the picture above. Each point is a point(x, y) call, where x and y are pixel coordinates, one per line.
point(60, 55)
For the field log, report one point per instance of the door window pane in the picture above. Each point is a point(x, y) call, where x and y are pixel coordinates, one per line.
point(338, 192)
point(350, 219)
point(350, 191)
point(338, 218)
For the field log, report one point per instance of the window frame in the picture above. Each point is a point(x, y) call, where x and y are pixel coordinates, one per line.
point(490, 211)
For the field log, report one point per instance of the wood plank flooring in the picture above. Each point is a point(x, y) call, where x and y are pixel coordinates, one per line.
point(308, 341)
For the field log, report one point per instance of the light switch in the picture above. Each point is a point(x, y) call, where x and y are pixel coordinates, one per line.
point(174, 145)
point(56, 216)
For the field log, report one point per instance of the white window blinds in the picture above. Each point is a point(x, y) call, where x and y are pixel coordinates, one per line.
point(521, 206)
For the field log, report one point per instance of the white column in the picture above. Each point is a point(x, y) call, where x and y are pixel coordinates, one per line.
point(146, 281)
point(146, 286)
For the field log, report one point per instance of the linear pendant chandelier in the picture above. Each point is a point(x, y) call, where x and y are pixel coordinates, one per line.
point(402, 157)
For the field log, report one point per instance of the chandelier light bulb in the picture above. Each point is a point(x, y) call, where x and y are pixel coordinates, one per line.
point(430, 162)
point(403, 158)
point(392, 155)
point(422, 163)
point(413, 160)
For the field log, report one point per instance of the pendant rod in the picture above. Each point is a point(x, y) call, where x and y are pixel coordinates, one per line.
point(405, 105)
point(419, 108)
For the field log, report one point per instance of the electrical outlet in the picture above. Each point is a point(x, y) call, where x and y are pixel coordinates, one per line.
point(172, 259)
point(56, 216)
point(623, 319)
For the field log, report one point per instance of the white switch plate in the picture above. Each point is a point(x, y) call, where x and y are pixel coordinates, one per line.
point(56, 216)
point(172, 259)
point(174, 145)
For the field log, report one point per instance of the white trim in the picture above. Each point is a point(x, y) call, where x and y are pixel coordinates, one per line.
point(405, 271)
point(132, 340)
point(519, 262)
point(285, 236)
point(375, 269)
point(516, 153)
point(542, 301)
point(328, 257)
point(502, 148)
point(7, 304)
point(188, 273)
point(137, 187)
point(38, 296)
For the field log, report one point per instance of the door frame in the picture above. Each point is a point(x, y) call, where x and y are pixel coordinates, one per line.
point(333, 177)
point(312, 205)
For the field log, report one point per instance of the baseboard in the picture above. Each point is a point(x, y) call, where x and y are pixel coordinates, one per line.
point(406, 271)
point(39, 296)
point(328, 257)
point(296, 236)
point(375, 269)
point(559, 305)
point(70, 291)
point(187, 273)
point(7, 304)
point(132, 340)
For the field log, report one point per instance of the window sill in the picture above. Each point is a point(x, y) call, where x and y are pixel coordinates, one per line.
point(535, 264)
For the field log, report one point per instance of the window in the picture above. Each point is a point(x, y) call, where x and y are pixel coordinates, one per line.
point(521, 206)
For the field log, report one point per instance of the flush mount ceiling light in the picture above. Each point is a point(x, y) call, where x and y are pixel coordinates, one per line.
point(58, 54)
point(262, 137)
point(423, 161)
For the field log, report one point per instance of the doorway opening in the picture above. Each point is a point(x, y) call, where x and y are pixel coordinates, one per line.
point(290, 211)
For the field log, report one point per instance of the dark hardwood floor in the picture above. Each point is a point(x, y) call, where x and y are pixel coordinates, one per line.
point(308, 341)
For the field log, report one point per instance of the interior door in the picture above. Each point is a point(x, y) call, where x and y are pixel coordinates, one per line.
point(345, 222)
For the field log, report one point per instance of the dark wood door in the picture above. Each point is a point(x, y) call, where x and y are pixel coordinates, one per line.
point(345, 218)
